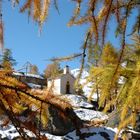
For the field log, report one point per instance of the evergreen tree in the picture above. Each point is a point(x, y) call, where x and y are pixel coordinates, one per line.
point(52, 70)
point(34, 69)
point(7, 61)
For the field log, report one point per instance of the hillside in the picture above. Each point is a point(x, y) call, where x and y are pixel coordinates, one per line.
point(86, 86)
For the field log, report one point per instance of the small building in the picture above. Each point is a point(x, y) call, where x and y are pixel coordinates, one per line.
point(63, 84)
point(32, 80)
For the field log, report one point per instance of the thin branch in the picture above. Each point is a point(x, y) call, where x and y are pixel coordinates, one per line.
point(92, 9)
point(56, 6)
point(66, 58)
point(106, 20)
point(117, 12)
point(83, 57)
point(12, 117)
point(123, 40)
point(40, 118)
point(124, 5)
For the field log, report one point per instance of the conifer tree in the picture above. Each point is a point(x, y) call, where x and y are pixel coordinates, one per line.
point(94, 53)
point(101, 74)
point(128, 95)
point(120, 90)
point(52, 70)
point(7, 60)
point(34, 69)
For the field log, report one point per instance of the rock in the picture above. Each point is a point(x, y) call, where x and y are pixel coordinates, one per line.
point(61, 124)
point(90, 115)
point(105, 135)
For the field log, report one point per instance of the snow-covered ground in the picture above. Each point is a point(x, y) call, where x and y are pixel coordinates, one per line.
point(83, 109)
point(77, 101)
point(34, 86)
point(89, 133)
point(8, 132)
point(90, 115)
point(92, 133)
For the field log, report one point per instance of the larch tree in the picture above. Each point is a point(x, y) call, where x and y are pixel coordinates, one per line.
point(129, 93)
point(120, 90)
point(109, 55)
point(101, 75)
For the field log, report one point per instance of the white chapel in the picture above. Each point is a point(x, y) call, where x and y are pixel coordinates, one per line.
point(63, 84)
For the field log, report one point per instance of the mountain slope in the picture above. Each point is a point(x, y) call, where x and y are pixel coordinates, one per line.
point(86, 86)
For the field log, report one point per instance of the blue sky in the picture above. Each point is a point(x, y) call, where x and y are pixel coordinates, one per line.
point(56, 38)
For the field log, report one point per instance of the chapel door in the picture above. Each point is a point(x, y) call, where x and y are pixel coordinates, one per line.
point(67, 87)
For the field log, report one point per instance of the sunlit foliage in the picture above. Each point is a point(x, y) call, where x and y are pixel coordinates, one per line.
point(120, 91)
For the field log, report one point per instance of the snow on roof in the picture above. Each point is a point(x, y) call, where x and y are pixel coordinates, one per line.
point(27, 74)
point(18, 73)
point(34, 75)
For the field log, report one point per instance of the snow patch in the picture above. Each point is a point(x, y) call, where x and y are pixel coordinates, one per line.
point(89, 115)
point(99, 133)
point(77, 101)
point(34, 85)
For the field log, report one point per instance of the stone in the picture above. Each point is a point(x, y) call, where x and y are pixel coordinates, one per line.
point(61, 124)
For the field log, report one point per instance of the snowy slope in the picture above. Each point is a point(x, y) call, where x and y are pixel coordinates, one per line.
point(75, 73)
point(77, 101)
point(90, 115)
point(83, 109)
point(86, 86)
